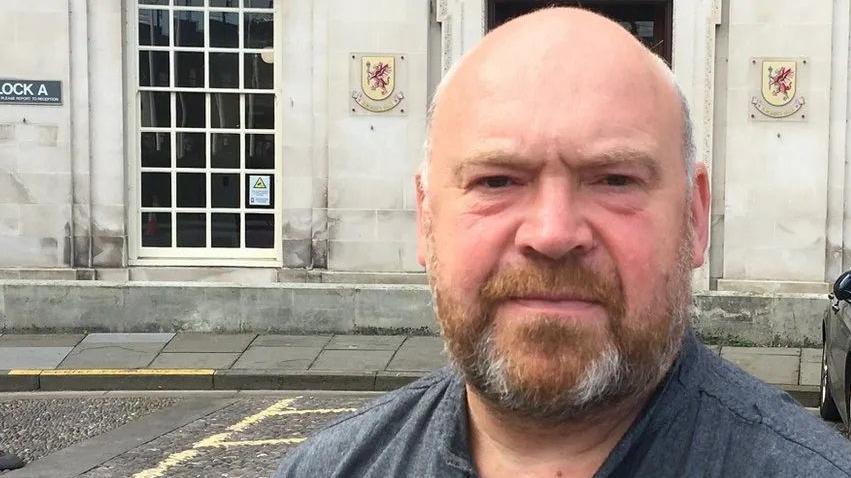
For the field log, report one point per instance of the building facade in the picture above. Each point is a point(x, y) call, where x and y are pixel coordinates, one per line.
point(262, 141)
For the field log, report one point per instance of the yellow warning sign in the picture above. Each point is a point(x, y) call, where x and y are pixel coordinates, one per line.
point(259, 184)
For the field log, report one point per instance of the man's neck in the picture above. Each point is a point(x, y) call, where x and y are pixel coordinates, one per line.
point(503, 445)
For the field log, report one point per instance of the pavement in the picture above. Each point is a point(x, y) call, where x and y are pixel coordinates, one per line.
point(206, 361)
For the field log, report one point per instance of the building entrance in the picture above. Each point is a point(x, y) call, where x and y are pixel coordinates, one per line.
point(649, 21)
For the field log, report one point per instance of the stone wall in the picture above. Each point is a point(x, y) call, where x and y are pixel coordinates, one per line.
point(35, 161)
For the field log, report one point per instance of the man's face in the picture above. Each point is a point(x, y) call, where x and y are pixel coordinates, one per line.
point(558, 229)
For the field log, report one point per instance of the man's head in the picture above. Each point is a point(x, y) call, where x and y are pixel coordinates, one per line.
point(559, 216)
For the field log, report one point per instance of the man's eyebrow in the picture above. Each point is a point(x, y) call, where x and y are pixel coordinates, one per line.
point(625, 157)
point(488, 158)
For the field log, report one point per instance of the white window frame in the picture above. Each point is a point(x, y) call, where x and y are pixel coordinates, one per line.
point(197, 256)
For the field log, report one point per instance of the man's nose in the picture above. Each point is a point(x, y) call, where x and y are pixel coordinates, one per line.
point(555, 225)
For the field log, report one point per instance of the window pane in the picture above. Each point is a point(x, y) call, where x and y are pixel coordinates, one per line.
point(189, 28)
point(224, 110)
point(224, 3)
point(258, 73)
point(156, 150)
point(260, 151)
point(258, 30)
point(259, 191)
point(258, 3)
point(156, 190)
point(260, 111)
point(189, 69)
point(153, 68)
point(224, 151)
point(224, 190)
point(155, 109)
point(259, 230)
point(153, 2)
point(191, 230)
point(224, 70)
point(224, 30)
point(191, 149)
point(189, 3)
point(153, 27)
point(156, 229)
point(190, 110)
point(191, 190)
point(224, 230)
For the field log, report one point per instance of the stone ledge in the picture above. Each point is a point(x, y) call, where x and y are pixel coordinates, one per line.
point(319, 308)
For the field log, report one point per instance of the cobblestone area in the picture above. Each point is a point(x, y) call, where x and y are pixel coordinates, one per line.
point(33, 428)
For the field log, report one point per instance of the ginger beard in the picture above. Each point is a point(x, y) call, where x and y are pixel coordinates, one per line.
point(550, 369)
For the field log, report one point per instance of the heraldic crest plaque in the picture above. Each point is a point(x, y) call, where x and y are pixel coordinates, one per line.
point(780, 95)
point(377, 83)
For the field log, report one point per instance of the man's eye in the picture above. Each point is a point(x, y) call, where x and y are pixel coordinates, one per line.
point(496, 181)
point(617, 180)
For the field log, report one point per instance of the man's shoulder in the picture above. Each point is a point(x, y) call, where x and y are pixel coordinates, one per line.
point(769, 423)
point(386, 424)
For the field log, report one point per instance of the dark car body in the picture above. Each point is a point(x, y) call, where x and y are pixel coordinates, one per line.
point(836, 354)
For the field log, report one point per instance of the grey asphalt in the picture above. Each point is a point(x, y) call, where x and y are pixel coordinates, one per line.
point(205, 361)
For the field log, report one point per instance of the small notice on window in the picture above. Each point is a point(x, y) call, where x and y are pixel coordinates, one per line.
point(258, 194)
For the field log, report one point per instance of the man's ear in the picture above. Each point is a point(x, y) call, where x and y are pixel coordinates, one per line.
point(700, 200)
point(421, 239)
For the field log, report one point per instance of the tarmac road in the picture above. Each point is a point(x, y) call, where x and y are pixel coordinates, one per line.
point(154, 434)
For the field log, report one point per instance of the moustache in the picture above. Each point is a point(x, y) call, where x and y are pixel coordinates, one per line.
point(563, 280)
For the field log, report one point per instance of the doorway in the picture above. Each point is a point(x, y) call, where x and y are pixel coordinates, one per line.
point(650, 21)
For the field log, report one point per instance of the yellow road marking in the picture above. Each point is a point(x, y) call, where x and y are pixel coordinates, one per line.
point(25, 371)
point(271, 441)
point(218, 440)
point(163, 466)
point(129, 371)
point(261, 415)
point(317, 410)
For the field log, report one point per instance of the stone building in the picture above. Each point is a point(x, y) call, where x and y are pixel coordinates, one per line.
point(230, 140)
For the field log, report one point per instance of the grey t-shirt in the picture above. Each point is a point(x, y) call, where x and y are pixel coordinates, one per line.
point(708, 418)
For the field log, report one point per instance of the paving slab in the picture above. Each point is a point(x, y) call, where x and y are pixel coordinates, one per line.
point(32, 357)
point(40, 340)
point(278, 340)
point(810, 367)
point(419, 354)
point(117, 338)
point(214, 360)
point(353, 360)
point(774, 368)
point(365, 342)
point(288, 358)
point(111, 355)
point(201, 342)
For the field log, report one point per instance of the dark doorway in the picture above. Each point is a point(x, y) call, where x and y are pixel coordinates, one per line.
point(648, 20)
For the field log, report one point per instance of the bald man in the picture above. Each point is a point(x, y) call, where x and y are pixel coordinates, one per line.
point(560, 212)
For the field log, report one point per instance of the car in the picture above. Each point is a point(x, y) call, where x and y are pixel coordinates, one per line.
point(835, 396)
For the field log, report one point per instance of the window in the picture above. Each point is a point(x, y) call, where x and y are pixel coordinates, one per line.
point(206, 168)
